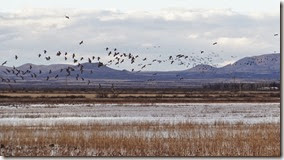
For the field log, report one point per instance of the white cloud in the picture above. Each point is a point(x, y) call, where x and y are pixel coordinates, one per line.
point(147, 45)
point(262, 15)
point(176, 30)
point(192, 36)
point(235, 41)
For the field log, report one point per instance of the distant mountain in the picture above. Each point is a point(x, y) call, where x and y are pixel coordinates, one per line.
point(249, 69)
point(202, 68)
point(43, 68)
point(264, 64)
point(88, 71)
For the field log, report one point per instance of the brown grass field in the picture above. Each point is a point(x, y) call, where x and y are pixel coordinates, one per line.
point(142, 139)
point(139, 96)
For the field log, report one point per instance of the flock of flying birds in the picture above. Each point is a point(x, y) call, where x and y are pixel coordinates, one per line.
point(115, 57)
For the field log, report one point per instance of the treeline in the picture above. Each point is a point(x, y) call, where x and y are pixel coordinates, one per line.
point(241, 86)
point(133, 89)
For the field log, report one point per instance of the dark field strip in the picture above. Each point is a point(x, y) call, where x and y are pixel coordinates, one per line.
point(140, 97)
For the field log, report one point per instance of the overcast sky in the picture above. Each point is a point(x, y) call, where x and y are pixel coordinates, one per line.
point(240, 28)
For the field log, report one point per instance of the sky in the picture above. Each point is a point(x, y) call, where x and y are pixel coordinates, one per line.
point(240, 28)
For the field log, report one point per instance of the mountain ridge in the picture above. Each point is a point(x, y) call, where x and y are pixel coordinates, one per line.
point(249, 69)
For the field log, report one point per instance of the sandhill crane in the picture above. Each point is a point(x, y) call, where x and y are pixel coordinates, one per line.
point(4, 63)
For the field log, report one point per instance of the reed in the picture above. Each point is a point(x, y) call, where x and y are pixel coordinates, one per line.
point(142, 139)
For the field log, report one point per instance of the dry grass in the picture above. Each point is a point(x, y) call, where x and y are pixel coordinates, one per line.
point(143, 96)
point(142, 139)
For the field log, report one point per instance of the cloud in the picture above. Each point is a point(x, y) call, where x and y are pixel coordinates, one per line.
point(176, 30)
point(235, 41)
point(193, 36)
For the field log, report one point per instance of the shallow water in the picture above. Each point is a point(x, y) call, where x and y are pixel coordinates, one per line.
point(47, 114)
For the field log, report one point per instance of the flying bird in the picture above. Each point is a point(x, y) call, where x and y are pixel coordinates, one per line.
point(67, 17)
point(214, 43)
point(4, 63)
point(81, 42)
point(58, 53)
point(100, 64)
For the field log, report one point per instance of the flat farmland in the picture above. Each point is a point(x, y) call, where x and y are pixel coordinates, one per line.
point(137, 129)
